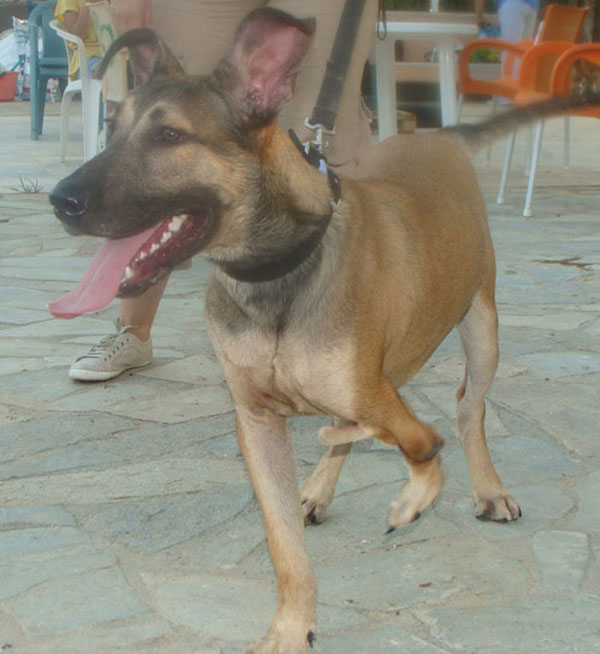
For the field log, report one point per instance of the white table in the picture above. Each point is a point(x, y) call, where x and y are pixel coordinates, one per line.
point(444, 36)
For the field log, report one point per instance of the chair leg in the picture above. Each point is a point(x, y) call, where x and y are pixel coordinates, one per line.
point(510, 145)
point(567, 146)
point(33, 104)
point(34, 108)
point(528, 152)
point(494, 112)
point(65, 111)
point(41, 102)
point(539, 131)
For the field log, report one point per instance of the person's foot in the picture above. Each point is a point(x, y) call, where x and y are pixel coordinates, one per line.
point(112, 355)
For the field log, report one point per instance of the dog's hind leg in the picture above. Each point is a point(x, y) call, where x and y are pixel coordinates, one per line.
point(479, 334)
point(317, 492)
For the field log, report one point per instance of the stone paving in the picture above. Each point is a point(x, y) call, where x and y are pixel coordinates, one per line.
point(127, 521)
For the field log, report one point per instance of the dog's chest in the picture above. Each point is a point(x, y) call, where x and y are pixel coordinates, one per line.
point(291, 375)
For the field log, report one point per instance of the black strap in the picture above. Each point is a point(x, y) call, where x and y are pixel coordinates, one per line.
point(280, 265)
point(327, 104)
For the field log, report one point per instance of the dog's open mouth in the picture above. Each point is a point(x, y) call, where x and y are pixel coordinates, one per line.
point(173, 241)
point(126, 267)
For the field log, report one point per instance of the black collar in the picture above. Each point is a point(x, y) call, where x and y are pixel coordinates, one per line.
point(284, 263)
point(279, 265)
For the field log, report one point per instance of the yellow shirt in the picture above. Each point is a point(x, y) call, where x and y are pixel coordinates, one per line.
point(92, 47)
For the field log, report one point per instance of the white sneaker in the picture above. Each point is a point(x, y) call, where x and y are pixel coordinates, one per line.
point(112, 355)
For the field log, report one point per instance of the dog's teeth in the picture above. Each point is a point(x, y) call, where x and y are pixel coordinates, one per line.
point(143, 255)
point(176, 223)
point(165, 237)
point(153, 248)
point(128, 273)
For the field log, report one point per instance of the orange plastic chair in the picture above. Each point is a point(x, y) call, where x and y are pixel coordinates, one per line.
point(561, 23)
point(546, 70)
point(563, 77)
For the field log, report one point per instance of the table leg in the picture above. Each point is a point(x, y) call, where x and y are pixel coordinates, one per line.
point(385, 76)
point(90, 105)
point(447, 81)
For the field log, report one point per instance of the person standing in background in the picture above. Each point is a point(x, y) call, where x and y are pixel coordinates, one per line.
point(517, 18)
point(199, 33)
point(75, 17)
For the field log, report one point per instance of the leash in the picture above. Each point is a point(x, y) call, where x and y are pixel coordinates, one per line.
point(322, 119)
point(316, 158)
point(326, 107)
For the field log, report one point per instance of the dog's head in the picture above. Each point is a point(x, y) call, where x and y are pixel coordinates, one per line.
point(184, 165)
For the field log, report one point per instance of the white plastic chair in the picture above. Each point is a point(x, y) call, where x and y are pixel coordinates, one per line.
point(91, 91)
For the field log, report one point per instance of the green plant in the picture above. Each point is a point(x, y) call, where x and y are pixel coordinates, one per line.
point(406, 5)
point(28, 185)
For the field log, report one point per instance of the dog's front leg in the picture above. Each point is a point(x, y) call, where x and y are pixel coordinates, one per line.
point(265, 442)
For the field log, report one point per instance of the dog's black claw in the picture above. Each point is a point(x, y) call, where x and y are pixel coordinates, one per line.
point(485, 515)
point(313, 518)
point(416, 516)
point(310, 637)
point(390, 530)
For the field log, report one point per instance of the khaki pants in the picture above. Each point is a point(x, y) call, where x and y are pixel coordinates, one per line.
point(200, 32)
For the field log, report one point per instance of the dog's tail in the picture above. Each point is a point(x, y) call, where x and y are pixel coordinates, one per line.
point(154, 59)
point(478, 135)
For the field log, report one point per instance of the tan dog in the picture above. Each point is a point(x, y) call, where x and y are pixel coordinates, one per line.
point(317, 305)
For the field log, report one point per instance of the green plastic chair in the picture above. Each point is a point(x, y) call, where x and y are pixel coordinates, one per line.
point(52, 62)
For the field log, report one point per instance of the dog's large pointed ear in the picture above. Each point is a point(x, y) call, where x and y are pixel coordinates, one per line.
point(261, 70)
point(148, 55)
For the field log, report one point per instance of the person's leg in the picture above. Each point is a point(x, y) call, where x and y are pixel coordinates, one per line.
point(511, 16)
point(137, 313)
point(517, 20)
point(200, 32)
point(529, 22)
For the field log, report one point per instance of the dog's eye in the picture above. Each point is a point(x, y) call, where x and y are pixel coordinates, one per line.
point(170, 135)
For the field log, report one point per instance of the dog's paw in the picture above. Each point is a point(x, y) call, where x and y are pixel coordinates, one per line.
point(277, 642)
point(417, 494)
point(402, 512)
point(498, 509)
point(316, 495)
point(313, 510)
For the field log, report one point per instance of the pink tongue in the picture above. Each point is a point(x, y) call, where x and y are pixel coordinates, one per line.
point(101, 280)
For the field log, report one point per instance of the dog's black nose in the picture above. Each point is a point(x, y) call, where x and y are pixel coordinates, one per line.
point(70, 205)
point(69, 202)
